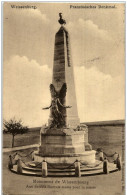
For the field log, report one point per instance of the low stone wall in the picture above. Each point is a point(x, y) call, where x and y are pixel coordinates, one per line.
point(103, 134)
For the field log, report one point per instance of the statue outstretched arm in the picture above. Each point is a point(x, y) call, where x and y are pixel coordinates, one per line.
point(47, 107)
point(63, 105)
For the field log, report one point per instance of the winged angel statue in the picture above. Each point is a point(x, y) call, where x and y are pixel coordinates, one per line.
point(58, 110)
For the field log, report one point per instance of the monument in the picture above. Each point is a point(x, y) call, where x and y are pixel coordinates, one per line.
point(64, 137)
point(64, 147)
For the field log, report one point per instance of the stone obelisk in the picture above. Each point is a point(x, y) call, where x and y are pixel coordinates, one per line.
point(63, 73)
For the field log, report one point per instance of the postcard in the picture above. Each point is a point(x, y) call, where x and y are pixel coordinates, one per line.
point(63, 71)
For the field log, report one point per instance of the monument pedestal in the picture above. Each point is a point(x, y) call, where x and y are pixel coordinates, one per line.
point(65, 145)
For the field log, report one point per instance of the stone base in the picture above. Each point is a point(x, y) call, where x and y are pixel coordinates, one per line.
point(63, 142)
point(87, 157)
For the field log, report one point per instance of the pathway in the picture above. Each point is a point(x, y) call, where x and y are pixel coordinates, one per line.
point(20, 148)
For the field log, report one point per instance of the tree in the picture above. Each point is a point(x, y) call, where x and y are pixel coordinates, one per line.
point(14, 127)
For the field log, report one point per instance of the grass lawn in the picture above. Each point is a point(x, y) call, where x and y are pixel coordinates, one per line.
point(14, 184)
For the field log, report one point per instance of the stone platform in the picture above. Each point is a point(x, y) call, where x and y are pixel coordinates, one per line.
point(34, 168)
point(87, 157)
point(65, 145)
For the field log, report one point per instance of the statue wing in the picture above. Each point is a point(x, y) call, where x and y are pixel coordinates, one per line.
point(53, 91)
point(63, 91)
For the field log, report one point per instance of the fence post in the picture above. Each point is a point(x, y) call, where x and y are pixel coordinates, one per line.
point(77, 169)
point(115, 156)
point(19, 166)
point(10, 164)
point(105, 166)
point(32, 156)
point(101, 156)
point(44, 169)
point(118, 163)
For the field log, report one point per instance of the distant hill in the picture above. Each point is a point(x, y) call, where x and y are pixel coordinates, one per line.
point(101, 123)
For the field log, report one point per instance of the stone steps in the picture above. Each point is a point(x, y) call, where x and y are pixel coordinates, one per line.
point(32, 166)
point(61, 170)
point(85, 171)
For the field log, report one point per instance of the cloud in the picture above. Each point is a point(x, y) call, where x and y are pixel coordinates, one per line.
point(93, 29)
point(36, 13)
point(25, 34)
point(99, 96)
point(89, 42)
point(27, 13)
point(26, 90)
point(89, 28)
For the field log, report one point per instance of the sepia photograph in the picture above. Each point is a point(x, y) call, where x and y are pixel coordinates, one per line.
point(63, 98)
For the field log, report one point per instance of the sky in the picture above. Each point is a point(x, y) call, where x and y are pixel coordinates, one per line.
point(97, 48)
